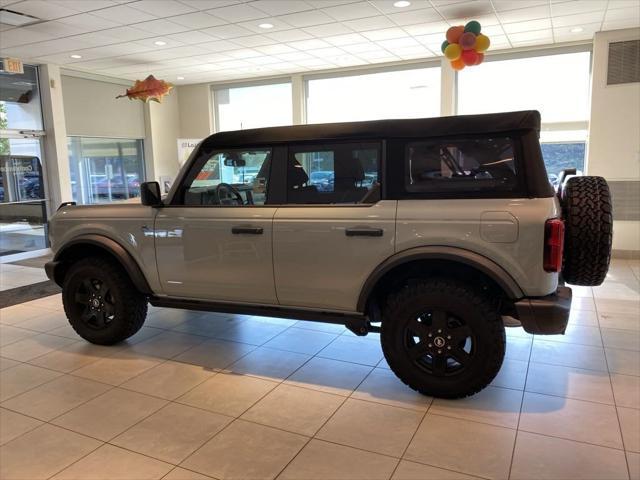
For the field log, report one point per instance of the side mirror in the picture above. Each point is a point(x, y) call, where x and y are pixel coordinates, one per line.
point(150, 194)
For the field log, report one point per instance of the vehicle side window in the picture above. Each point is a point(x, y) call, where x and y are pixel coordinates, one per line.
point(229, 177)
point(461, 165)
point(334, 174)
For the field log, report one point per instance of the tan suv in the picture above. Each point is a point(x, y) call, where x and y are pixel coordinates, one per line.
point(433, 232)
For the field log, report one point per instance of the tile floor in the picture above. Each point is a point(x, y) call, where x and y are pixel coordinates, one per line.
point(12, 276)
point(198, 396)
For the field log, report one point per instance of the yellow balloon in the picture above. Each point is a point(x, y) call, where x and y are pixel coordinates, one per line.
point(453, 51)
point(482, 43)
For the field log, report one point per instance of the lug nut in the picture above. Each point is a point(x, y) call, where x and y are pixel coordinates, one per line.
point(448, 337)
point(430, 345)
point(439, 330)
point(430, 335)
point(439, 351)
point(448, 348)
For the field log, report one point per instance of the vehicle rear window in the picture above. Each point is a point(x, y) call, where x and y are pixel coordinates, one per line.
point(460, 165)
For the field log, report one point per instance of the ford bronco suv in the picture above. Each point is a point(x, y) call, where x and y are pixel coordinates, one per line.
point(434, 232)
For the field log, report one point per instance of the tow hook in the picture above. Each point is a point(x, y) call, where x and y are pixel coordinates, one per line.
point(360, 326)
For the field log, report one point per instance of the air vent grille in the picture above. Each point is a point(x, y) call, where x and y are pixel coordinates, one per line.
point(624, 62)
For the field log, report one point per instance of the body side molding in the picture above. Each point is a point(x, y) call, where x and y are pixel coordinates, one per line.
point(435, 252)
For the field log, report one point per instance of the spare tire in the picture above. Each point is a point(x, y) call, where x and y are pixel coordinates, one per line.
point(586, 208)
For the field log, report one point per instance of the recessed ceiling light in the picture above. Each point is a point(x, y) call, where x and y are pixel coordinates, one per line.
point(266, 26)
point(576, 29)
point(159, 43)
point(401, 4)
point(180, 78)
point(76, 56)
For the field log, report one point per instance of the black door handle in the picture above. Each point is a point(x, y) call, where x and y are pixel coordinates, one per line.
point(247, 230)
point(364, 232)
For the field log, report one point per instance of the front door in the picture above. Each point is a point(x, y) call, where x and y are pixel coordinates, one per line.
point(215, 241)
point(334, 230)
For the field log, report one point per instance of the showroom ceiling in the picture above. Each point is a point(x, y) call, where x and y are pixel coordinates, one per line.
point(191, 41)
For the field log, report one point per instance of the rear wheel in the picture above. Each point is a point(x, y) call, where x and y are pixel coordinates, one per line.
point(443, 338)
point(586, 208)
point(101, 303)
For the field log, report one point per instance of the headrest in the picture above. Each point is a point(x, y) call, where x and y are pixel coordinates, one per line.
point(297, 176)
point(349, 169)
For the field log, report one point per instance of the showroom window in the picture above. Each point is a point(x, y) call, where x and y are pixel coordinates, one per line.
point(556, 84)
point(406, 93)
point(253, 106)
point(105, 170)
point(328, 174)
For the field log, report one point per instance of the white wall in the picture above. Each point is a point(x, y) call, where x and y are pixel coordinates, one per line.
point(91, 109)
point(614, 130)
point(195, 111)
point(162, 122)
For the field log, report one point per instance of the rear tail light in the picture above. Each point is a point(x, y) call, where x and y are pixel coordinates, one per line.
point(553, 244)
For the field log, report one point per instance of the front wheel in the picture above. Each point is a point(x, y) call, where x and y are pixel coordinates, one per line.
point(101, 303)
point(442, 337)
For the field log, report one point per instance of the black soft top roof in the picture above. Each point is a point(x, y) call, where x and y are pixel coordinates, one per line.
point(420, 127)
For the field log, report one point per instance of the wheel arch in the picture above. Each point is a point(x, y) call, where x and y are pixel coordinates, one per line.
point(422, 261)
point(94, 244)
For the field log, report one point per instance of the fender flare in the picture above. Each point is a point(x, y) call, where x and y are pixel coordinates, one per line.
point(466, 257)
point(116, 250)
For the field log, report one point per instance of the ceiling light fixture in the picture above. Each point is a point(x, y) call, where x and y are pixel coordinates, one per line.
point(159, 43)
point(76, 56)
point(576, 29)
point(180, 78)
point(266, 26)
point(401, 4)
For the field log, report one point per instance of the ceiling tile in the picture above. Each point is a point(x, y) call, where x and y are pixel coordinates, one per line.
point(386, 6)
point(577, 6)
point(43, 9)
point(275, 49)
point(226, 32)
point(208, 4)
point(564, 34)
point(238, 13)
point(352, 11)
point(378, 55)
point(307, 19)
point(197, 20)
point(326, 52)
point(125, 33)
point(150, 43)
point(501, 5)
point(218, 46)
point(413, 17)
point(294, 35)
point(541, 24)
point(630, 22)
point(243, 53)
point(281, 7)
point(124, 15)
point(632, 13)
point(309, 44)
point(327, 30)
point(88, 22)
point(20, 36)
point(545, 35)
point(572, 20)
point(83, 5)
point(253, 41)
point(427, 28)
point(361, 47)
point(371, 23)
point(348, 39)
point(276, 23)
point(384, 34)
point(525, 14)
point(327, 3)
point(263, 60)
point(397, 43)
point(191, 37)
point(294, 56)
point(54, 29)
point(160, 27)
point(408, 53)
point(466, 9)
point(162, 8)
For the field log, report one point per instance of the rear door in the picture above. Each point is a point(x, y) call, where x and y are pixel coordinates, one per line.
point(333, 230)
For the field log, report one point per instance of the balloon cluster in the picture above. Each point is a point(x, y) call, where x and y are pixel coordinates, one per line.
point(465, 45)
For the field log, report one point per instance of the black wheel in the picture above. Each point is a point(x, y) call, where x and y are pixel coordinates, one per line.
point(101, 303)
point(442, 337)
point(586, 208)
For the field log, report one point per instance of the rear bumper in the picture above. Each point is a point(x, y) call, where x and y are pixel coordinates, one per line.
point(547, 315)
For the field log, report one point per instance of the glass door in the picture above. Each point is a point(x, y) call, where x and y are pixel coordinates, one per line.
point(23, 199)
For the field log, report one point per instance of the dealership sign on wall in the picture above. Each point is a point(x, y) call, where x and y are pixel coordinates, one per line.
point(185, 147)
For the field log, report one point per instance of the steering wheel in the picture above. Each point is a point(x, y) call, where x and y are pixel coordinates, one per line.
point(228, 195)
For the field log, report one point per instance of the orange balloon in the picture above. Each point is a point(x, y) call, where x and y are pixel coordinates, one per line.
point(454, 34)
point(457, 64)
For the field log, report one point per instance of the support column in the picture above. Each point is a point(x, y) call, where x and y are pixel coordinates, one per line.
point(448, 88)
point(298, 100)
point(56, 155)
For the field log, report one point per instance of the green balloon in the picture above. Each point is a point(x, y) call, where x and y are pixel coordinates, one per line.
point(444, 46)
point(473, 27)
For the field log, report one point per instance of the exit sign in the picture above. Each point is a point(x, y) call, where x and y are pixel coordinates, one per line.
point(12, 65)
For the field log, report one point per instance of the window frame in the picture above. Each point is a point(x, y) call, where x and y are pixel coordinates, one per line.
point(177, 200)
point(306, 147)
point(398, 148)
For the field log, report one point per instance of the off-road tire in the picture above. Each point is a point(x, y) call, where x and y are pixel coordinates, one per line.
point(478, 310)
point(588, 215)
point(130, 306)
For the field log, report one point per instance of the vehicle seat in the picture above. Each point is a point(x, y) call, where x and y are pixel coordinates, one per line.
point(348, 180)
point(299, 190)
